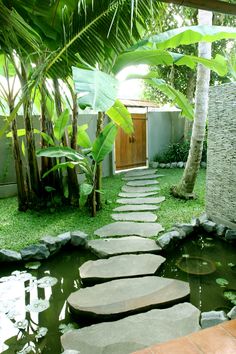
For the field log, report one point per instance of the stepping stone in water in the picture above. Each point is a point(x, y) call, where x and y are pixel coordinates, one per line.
point(136, 207)
point(134, 332)
point(129, 229)
point(131, 244)
point(143, 172)
point(133, 178)
point(145, 182)
point(120, 267)
point(135, 216)
point(118, 298)
point(141, 200)
point(130, 189)
point(136, 195)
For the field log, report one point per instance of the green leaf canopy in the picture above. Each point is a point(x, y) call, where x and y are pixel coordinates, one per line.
point(121, 116)
point(104, 142)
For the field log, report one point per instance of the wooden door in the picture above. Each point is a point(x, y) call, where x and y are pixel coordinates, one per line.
point(131, 150)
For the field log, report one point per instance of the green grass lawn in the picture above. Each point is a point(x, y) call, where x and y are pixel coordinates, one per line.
point(19, 229)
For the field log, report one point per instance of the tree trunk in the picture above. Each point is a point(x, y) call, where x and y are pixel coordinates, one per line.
point(191, 85)
point(35, 186)
point(20, 180)
point(98, 184)
point(185, 188)
point(73, 185)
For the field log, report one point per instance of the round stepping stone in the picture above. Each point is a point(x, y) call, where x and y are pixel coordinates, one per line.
point(136, 207)
point(135, 216)
point(144, 172)
point(140, 200)
point(134, 332)
point(136, 195)
point(147, 189)
point(120, 267)
point(121, 297)
point(134, 178)
point(129, 228)
point(144, 182)
point(131, 244)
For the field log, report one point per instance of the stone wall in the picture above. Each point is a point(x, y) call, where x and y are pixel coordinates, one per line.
point(221, 155)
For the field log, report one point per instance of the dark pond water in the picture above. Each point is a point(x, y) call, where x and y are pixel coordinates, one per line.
point(33, 309)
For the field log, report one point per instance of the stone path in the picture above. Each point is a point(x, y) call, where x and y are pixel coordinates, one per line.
point(128, 280)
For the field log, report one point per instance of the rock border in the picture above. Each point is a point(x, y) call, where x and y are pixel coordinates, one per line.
point(179, 164)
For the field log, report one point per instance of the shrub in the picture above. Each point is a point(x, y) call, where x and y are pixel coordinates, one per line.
point(178, 152)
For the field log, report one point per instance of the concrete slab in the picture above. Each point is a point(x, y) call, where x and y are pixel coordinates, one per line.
point(144, 182)
point(136, 178)
point(134, 332)
point(120, 228)
point(136, 207)
point(130, 189)
point(156, 200)
point(135, 216)
point(136, 194)
point(118, 298)
point(143, 172)
point(117, 267)
point(131, 244)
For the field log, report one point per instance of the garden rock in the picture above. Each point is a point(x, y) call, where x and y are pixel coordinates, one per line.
point(135, 216)
point(129, 228)
point(147, 189)
point(220, 230)
point(156, 200)
point(187, 228)
point(232, 313)
point(230, 235)
point(78, 238)
point(117, 298)
point(170, 239)
point(9, 256)
point(180, 164)
point(134, 332)
point(162, 165)
point(51, 243)
point(212, 318)
point(168, 165)
point(136, 207)
point(144, 182)
point(38, 251)
point(209, 226)
point(132, 244)
point(64, 238)
point(202, 218)
point(173, 164)
point(154, 164)
point(120, 267)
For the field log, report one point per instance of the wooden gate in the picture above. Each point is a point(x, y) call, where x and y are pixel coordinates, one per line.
point(131, 151)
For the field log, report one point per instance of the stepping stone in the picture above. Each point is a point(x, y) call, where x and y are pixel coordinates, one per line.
point(144, 172)
point(133, 178)
point(136, 207)
point(135, 216)
point(129, 229)
point(130, 189)
point(145, 182)
point(131, 244)
point(136, 195)
point(141, 200)
point(120, 267)
point(118, 298)
point(134, 332)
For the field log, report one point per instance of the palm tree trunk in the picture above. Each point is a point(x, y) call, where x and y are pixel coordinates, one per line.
point(185, 188)
point(20, 180)
point(191, 85)
point(98, 184)
point(35, 187)
point(73, 185)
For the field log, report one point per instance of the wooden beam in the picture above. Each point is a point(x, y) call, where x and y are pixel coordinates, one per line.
point(210, 5)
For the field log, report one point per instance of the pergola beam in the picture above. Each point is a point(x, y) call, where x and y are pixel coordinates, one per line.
point(210, 5)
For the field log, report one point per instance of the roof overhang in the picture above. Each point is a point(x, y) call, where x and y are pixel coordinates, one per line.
point(210, 5)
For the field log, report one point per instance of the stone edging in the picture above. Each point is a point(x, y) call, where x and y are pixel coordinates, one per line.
point(180, 164)
point(179, 232)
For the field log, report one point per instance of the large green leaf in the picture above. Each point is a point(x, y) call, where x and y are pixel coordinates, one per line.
point(121, 116)
point(189, 35)
point(96, 89)
point(10, 67)
point(176, 96)
point(83, 138)
point(61, 166)
point(104, 142)
point(162, 57)
point(59, 151)
point(60, 124)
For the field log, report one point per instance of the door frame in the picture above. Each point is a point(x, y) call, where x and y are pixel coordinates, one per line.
point(133, 110)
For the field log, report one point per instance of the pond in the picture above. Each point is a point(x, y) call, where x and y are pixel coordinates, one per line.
point(34, 313)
